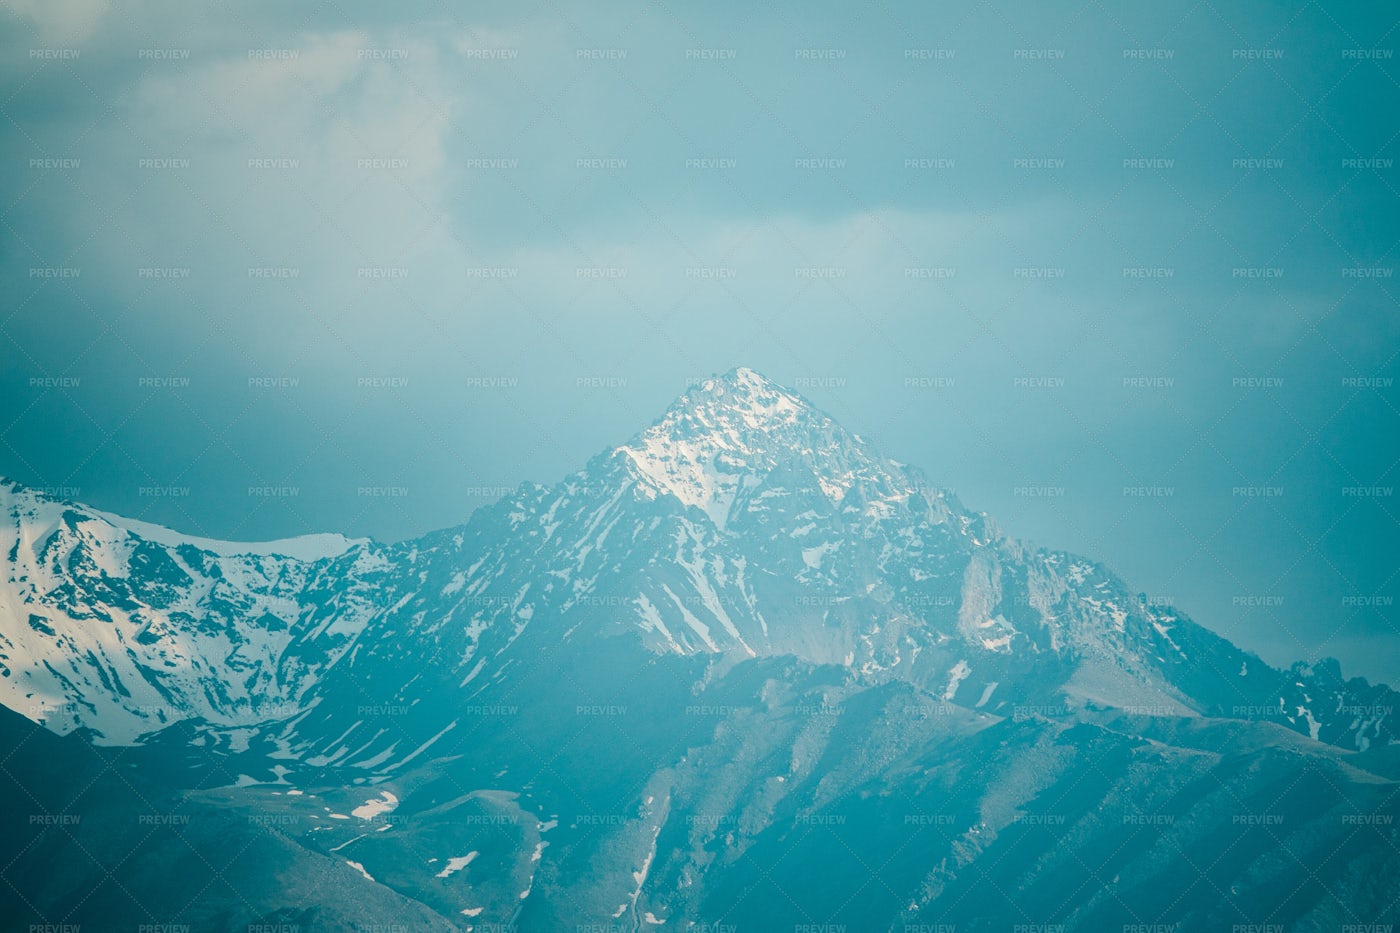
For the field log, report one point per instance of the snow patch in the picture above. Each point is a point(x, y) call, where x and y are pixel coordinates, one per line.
point(359, 868)
point(455, 864)
point(368, 810)
point(956, 675)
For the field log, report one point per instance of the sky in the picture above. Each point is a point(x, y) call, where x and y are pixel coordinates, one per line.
point(1119, 274)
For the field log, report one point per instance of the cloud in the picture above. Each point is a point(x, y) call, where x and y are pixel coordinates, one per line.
point(60, 22)
point(321, 160)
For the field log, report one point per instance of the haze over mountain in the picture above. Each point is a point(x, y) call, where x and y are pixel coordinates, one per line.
point(741, 671)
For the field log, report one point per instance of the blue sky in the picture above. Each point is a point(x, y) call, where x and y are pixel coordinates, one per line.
point(1119, 274)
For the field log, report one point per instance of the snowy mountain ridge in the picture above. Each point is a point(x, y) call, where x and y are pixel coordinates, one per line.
point(308, 547)
point(123, 627)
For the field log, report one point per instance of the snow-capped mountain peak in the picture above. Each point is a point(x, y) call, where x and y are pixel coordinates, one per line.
point(729, 432)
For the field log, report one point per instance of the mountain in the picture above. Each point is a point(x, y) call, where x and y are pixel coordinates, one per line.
point(741, 671)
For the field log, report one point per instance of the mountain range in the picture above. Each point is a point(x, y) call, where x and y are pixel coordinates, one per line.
point(741, 672)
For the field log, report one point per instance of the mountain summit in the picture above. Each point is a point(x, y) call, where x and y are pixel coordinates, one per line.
point(727, 434)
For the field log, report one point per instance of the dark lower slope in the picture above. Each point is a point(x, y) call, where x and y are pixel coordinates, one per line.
point(760, 795)
point(89, 840)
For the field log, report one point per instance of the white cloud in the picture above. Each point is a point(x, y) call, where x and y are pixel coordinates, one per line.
point(326, 156)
